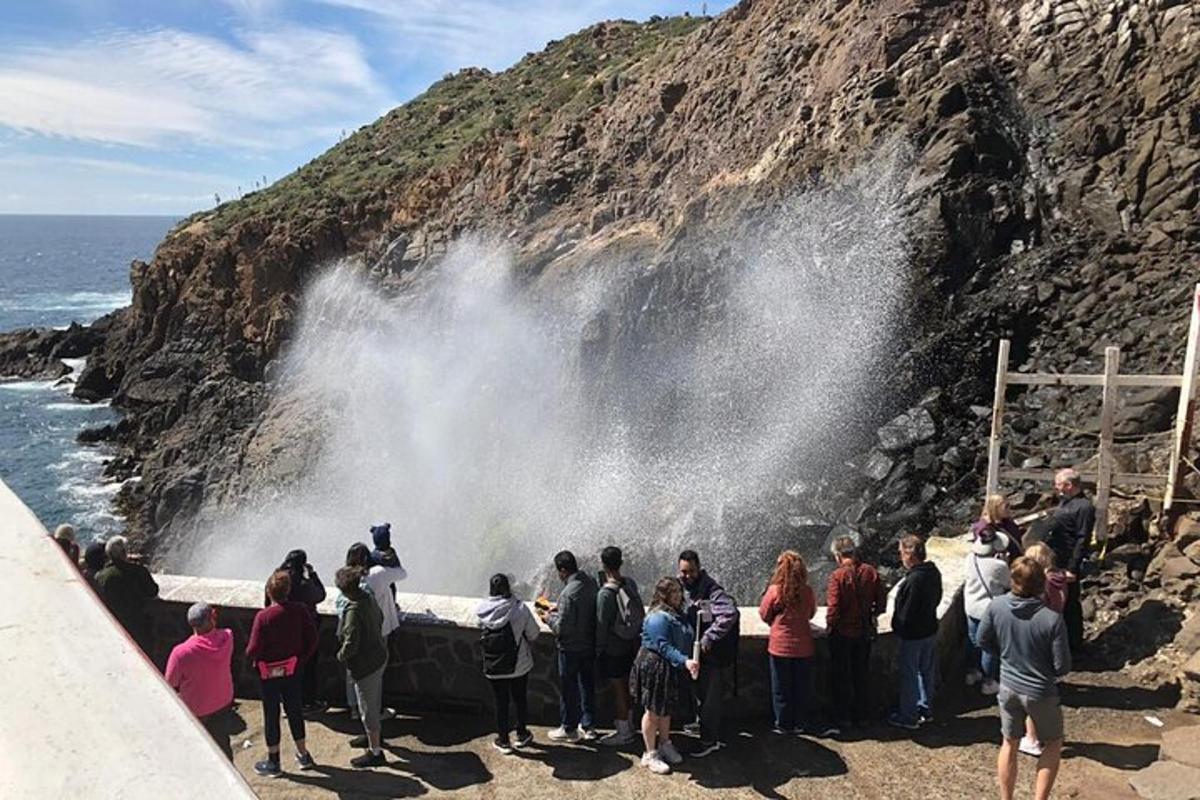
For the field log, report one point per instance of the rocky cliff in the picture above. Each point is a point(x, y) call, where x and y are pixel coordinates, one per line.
point(1051, 191)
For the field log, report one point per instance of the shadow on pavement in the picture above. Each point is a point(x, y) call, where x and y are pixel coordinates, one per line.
point(1131, 639)
point(1120, 698)
point(761, 762)
point(443, 771)
point(575, 762)
point(1117, 756)
point(376, 783)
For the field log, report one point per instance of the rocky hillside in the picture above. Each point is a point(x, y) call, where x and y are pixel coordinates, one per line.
point(1055, 156)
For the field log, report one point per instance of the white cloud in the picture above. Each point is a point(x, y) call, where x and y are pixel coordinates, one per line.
point(264, 90)
point(78, 163)
point(489, 33)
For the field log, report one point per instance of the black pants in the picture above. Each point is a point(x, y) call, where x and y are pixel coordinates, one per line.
point(514, 689)
point(220, 727)
point(1073, 616)
point(308, 681)
point(285, 692)
point(848, 673)
point(710, 696)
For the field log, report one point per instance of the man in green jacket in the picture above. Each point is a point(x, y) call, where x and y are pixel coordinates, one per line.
point(363, 651)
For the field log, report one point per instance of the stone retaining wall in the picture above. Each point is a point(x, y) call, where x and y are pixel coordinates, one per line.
point(435, 663)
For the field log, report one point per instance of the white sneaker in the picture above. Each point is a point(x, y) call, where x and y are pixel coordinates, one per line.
point(692, 728)
point(990, 687)
point(618, 738)
point(974, 677)
point(668, 753)
point(590, 735)
point(1030, 747)
point(652, 762)
point(561, 734)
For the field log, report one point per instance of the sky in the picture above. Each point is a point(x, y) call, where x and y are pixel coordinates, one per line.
point(135, 107)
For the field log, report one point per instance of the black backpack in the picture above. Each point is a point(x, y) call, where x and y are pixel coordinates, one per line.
point(499, 650)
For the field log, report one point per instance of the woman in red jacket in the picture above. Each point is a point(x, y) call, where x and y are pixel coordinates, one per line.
point(787, 606)
point(282, 638)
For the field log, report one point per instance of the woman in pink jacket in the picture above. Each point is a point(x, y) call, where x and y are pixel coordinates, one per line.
point(787, 606)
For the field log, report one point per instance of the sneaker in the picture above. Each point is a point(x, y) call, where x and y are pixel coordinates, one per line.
point(974, 677)
point(305, 761)
point(692, 728)
point(524, 739)
point(824, 729)
point(924, 715)
point(780, 730)
point(387, 713)
point(897, 721)
point(268, 768)
point(990, 687)
point(652, 762)
point(619, 738)
point(501, 743)
point(668, 753)
point(368, 759)
point(361, 741)
point(561, 734)
point(590, 735)
point(1030, 747)
point(707, 749)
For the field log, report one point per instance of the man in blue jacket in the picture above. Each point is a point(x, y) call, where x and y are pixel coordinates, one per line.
point(710, 608)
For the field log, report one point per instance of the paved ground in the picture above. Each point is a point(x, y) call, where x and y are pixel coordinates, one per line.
point(954, 757)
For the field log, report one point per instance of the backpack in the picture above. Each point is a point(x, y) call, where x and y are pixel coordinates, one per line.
point(630, 613)
point(499, 648)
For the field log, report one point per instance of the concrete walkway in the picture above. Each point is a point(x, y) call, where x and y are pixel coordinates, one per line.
point(954, 757)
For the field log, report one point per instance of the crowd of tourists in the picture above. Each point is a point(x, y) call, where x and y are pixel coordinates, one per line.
point(675, 656)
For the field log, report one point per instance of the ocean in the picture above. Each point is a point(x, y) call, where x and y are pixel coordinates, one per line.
point(55, 270)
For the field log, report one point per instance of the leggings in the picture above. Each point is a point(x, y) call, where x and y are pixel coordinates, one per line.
point(285, 691)
point(514, 688)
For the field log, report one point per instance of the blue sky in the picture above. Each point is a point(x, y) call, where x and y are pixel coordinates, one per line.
point(137, 107)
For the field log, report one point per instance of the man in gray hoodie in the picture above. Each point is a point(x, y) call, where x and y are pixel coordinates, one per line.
point(1031, 641)
point(573, 621)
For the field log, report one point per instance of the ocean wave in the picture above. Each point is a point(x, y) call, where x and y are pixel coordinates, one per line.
point(78, 487)
point(73, 459)
point(27, 386)
point(71, 301)
point(76, 406)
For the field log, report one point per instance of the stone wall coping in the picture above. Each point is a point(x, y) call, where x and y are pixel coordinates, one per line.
point(440, 609)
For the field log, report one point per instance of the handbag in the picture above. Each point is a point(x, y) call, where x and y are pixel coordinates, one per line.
point(267, 670)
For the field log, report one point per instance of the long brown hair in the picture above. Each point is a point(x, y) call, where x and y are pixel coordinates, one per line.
point(663, 590)
point(791, 576)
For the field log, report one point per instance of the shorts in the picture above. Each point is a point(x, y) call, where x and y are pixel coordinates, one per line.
point(1045, 712)
point(612, 666)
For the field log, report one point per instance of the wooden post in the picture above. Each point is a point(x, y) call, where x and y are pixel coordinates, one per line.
point(993, 473)
point(1187, 407)
point(1104, 469)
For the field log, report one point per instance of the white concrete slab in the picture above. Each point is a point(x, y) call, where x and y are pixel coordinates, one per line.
point(82, 712)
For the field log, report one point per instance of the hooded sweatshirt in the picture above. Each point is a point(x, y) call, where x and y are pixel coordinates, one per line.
point(1031, 641)
point(1055, 597)
point(198, 669)
point(496, 612)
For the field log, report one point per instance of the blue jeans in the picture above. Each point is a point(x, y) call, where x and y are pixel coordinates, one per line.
point(982, 660)
point(577, 683)
point(918, 676)
point(789, 690)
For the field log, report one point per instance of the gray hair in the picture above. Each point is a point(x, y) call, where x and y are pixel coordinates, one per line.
point(199, 615)
point(115, 548)
point(64, 533)
point(1067, 475)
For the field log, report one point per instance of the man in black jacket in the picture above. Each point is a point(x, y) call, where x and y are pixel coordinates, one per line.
point(915, 623)
point(1069, 535)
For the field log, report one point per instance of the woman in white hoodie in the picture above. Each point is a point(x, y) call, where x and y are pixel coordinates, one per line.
point(509, 631)
point(986, 576)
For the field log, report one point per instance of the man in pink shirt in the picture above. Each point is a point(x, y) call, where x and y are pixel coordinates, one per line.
point(199, 669)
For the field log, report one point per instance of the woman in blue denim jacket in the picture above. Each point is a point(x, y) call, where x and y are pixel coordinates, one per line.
point(657, 670)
